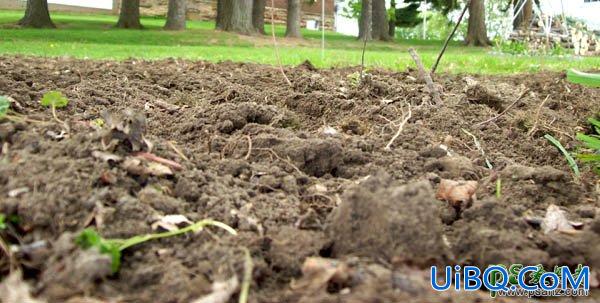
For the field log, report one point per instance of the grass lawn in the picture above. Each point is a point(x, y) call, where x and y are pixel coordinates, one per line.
point(92, 36)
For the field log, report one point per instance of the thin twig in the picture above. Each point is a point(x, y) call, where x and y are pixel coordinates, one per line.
point(435, 95)
point(400, 127)
point(248, 267)
point(537, 117)
point(275, 43)
point(505, 110)
point(437, 61)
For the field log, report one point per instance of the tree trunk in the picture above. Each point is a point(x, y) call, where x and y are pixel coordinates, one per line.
point(130, 14)
point(219, 18)
point(523, 19)
point(364, 22)
point(380, 29)
point(176, 15)
point(293, 19)
point(258, 15)
point(37, 15)
point(476, 32)
point(237, 16)
point(392, 20)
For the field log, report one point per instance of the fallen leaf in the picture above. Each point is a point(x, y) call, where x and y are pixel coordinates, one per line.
point(460, 194)
point(556, 220)
point(318, 272)
point(170, 222)
point(106, 157)
point(18, 191)
point(14, 289)
point(157, 169)
point(139, 167)
point(221, 291)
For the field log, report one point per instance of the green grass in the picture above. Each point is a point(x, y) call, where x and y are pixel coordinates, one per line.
point(93, 36)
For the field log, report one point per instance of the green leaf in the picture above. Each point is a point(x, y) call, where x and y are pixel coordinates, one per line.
point(587, 79)
point(567, 155)
point(89, 238)
point(590, 141)
point(589, 158)
point(54, 99)
point(594, 122)
point(2, 221)
point(4, 105)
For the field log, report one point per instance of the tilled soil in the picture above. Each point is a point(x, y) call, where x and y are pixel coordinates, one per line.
point(300, 172)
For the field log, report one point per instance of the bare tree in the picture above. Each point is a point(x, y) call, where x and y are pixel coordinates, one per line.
point(37, 15)
point(258, 15)
point(236, 16)
point(176, 15)
point(380, 26)
point(476, 31)
point(364, 22)
point(129, 16)
point(293, 19)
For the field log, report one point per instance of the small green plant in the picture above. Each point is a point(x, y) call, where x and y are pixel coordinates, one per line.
point(89, 238)
point(592, 143)
point(567, 155)
point(587, 79)
point(54, 99)
point(4, 105)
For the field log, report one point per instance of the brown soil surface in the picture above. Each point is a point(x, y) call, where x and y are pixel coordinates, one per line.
point(298, 171)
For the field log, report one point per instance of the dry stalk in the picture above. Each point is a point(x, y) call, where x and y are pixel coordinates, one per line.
point(537, 117)
point(405, 118)
point(171, 144)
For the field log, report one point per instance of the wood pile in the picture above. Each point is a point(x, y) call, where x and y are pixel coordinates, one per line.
point(583, 41)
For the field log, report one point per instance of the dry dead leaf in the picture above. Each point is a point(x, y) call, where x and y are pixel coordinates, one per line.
point(171, 222)
point(14, 289)
point(459, 194)
point(221, 291)
point(106, 157)
point(318, 272)
point(126, 127)
point(157, 169)
point(556, 220)
point(139, 167)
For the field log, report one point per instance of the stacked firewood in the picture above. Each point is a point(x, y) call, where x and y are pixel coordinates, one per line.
point(577, 37)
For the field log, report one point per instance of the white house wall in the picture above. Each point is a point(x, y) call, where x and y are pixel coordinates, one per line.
point(102, 4)
point(586, 11)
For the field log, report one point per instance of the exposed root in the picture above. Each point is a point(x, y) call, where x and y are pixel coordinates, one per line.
point(286, 161)
point(405, 119)
point(275, 43)
point(504, 111)
point(249, 148)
